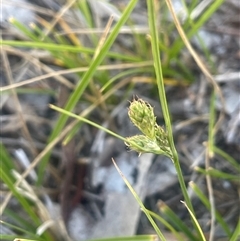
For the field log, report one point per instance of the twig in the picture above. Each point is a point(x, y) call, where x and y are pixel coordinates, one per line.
point(17, 104)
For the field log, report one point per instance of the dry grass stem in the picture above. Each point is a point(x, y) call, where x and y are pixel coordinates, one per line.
point(104, 36)
point(75, 70)
point(200, 64)
point(17, 104)
point(58, 16)
point(39, 65)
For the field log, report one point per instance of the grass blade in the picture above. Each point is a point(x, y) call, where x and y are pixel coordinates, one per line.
point(206, 203)
point(154, 225)
point(236, 233)
point(133, 238)
point(176, 221)
point(218, 174)
point(75, 96)
point(178, 236)
point(196, 223)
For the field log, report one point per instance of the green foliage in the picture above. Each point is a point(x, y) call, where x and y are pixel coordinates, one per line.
point(155, 139)
point(6, 175)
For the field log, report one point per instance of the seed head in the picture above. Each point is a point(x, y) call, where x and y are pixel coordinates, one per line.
point(155, 139)
point(142, 144)
point(142, 116)
point(162, 140)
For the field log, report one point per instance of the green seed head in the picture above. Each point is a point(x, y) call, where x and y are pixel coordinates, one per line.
point(162, 140)
point(142, 144)
point(155, 139)
point(142, 116)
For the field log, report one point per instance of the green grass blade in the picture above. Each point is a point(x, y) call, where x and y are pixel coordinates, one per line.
point(133, 238)
point(85, 10)
point(212, 117)
point(196, 222)
point(218, 174)
point(23, 239)
point(31, 91)
point(154, 225)
point(236, 234)
point(27, 32)
point(178, 236)
point(61, 48)
point(18, 220)
point(228, 158)
point(80, 118)
point(123, 74)
point(40, 33)
point(15, 228)
point(206, 203)
point(72, 133)
point(190, 6)
point(25, 204)
point(178, 44)
point(15, 238)
point(48, 46)
point(75, 96)
point(6, 168)
point(6, 162)
point(176, 221)
point(185, 71)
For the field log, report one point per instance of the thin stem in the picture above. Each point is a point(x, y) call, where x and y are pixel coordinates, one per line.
point(154, 225)
point(182, 182)
point(80, 118)
point(209, 155)
point(162, 96)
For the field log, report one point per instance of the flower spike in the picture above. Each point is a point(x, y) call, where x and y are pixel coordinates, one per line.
point(142, 116)
point(155, 139)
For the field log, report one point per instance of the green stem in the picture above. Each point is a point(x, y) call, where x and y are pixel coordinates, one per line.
point(159, 76)
point(181, 182)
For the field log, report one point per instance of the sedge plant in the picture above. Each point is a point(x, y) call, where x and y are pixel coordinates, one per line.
point(157, 140)
point(154, 138)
